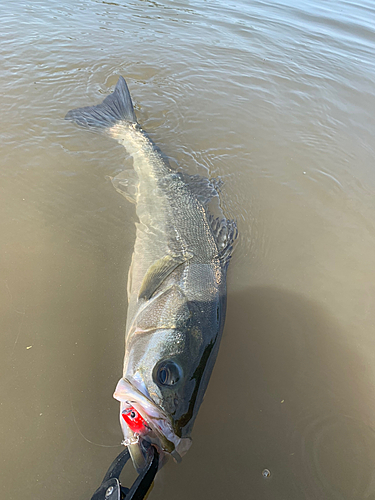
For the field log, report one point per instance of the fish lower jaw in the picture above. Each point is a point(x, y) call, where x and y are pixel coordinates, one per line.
point(152, 434)
point(149, 423)
point(138, 448)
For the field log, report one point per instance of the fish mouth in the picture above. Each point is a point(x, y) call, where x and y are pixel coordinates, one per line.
point(149, 423)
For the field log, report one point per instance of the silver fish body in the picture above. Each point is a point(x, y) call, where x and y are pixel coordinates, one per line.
point(176, 284)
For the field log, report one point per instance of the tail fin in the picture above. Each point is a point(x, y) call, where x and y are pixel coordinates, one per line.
point(116, 107)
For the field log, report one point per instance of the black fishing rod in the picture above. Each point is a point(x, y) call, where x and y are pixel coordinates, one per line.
point(112, 489)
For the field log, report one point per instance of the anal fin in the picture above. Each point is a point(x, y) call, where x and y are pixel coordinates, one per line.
point(126, 183)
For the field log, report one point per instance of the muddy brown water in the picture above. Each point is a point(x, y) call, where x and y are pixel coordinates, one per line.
point(277, 98)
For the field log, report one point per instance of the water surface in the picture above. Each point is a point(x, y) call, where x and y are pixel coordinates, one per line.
point(278, 99)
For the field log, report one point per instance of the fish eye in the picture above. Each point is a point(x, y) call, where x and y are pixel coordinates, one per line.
point(167, 373)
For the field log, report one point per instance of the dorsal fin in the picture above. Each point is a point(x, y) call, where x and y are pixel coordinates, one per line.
point(204, 189)
point(225, 233)
point(224, 230)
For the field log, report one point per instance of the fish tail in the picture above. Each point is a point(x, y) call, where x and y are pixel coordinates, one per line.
point(117, 107)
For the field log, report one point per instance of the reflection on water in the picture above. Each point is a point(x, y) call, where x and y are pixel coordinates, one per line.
point(275, 98)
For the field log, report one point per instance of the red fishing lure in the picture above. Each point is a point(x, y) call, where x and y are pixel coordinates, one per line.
point(134, 419)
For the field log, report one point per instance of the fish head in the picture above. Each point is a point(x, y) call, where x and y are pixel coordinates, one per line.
point(152, 392)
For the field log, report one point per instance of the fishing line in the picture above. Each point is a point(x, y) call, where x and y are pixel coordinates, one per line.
point(79, 430)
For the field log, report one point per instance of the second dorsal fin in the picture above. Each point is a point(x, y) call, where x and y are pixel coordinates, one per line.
point(225, 233)
point(204, 189)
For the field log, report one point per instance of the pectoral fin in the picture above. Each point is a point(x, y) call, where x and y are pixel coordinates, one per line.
point(168, 311)
point(158, 272)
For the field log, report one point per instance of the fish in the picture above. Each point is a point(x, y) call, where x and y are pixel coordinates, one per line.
point(176, 285)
